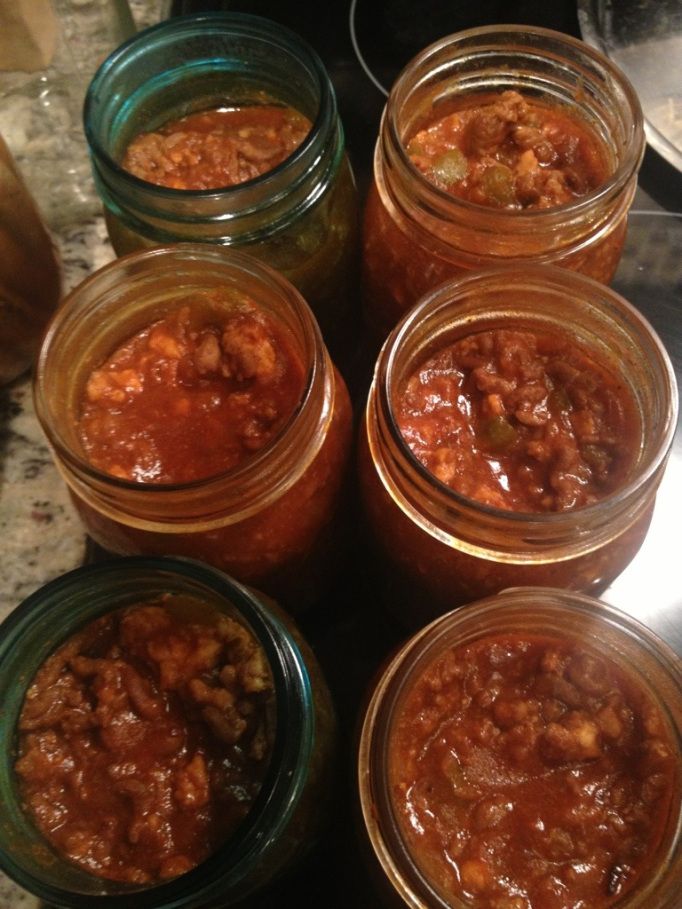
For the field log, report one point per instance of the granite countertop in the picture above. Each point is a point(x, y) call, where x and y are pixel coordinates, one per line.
point(42, 535)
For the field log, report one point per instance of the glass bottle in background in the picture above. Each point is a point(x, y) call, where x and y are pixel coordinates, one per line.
point(30, 274)
point(49, 50)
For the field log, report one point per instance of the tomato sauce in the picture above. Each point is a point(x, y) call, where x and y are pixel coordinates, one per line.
point(144, 739)
point(520, 420)
point(192, 395)
point(217, 148)
point(510, 152)
point(527, 772)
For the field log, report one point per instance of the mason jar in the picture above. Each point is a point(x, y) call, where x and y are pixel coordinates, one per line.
point(300, 217)
point(414, 863)
point(283, 820)
point(436, 547)
point(416, 234)
point(271, 520)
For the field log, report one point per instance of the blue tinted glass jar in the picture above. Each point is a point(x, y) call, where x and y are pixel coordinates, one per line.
point(300, 217)
point(283, 820)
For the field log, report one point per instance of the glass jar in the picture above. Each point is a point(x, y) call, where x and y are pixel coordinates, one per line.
point(271, 521)
point(641, 657)
point(30, 272)
point(417, 235)
point(300, 218)
point(439, 548)
point(285, 817)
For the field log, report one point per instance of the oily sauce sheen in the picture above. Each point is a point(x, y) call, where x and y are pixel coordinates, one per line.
point(530, 773)
point(193, 394)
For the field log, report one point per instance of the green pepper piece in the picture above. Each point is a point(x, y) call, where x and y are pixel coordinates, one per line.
point(499, 434)
point(498, 184)
point(450, 167)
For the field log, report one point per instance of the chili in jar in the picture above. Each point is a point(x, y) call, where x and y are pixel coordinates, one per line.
point(521, 420)
point(222, 128)
point(511, 152)
point(516, 431)
point(528, 772)
point(215, 148)
point(500, 145)
point(193, 394)
point(144, 739)
point(194, 410)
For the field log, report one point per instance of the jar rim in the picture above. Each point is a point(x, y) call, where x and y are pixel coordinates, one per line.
point(151, 262)
point(612, 188)
point(294, 727)
point(490, 616)
point(231, 24)
point(546, 279)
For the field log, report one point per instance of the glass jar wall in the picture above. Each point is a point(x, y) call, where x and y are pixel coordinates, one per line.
point(30, 274)
point(417, 234)
point(428, 863)
point(282, 822)
point(300, 217)
point(271, 519)
point(439, 548)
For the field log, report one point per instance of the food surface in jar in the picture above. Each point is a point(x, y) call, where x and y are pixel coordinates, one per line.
point(144, 739)
point(522, 420)
point(193, 394)
point(217, 148)
point(530, 773)
point(507, 151)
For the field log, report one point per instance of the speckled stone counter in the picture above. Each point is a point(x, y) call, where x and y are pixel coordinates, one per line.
point(42, 536)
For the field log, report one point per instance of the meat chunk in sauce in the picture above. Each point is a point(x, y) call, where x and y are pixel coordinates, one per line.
point(144, 739)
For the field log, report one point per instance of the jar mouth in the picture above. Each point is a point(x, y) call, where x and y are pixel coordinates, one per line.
point(527, 42)
point(97, 296)
point(569, 615)
point(122, 90)
point(440, 307)
point(94, 590)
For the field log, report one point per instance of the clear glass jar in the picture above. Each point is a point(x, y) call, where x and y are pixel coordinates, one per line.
point(285, 817)
point(417, 235)
point(300, 218)
point(579, 620)
point(438, 548)
point(271, 520)
point(30, 272)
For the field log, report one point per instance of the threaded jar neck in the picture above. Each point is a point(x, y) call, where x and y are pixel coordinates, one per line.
point(543, 65)
point(538, 298)
point(44, 621)
point(198, 62)
point(131, 293)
